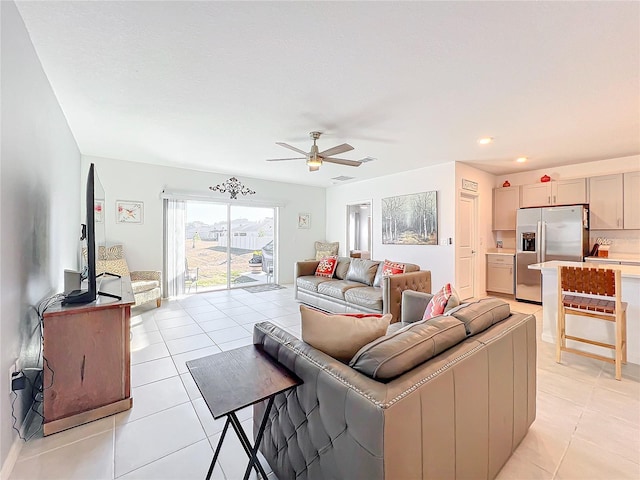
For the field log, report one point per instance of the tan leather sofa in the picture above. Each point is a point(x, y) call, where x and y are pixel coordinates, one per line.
point(358, 286)
point(458, 415)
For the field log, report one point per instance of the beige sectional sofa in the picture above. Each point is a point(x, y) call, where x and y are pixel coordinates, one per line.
point(394, 413)
point(358, 286)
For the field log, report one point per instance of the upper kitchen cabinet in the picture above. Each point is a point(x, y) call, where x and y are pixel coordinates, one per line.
point(536, 195)
point(632, 200)
point(506, 201)
point(569, 191)
point(558, 192)
point(605, 202)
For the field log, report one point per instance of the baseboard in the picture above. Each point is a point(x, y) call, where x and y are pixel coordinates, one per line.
point(16, 447)
point(12, 458)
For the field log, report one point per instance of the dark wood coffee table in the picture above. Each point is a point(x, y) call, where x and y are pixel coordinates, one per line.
point(232, 380)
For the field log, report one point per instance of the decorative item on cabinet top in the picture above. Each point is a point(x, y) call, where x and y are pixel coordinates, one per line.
point(545, 178)
point(506, 183)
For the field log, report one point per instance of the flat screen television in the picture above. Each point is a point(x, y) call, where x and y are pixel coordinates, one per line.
point(94, 234)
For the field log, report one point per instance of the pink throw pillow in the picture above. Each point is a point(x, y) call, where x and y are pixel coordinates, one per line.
point(438, 303)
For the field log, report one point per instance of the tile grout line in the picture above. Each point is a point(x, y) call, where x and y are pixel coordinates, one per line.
point(575, 428)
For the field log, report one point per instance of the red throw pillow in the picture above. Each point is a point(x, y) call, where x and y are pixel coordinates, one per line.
point(327, 266)
point(438, 303)
point(392, 268)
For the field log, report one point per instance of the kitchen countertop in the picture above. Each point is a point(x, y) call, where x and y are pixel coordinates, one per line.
point(629, 271)
point(616, 257)
point(501, 251)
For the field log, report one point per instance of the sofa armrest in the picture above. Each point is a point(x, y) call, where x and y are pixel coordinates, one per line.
point(301, 269)
point(394, 285)
point(308, 267)
point(413, 305)
point(146, 275)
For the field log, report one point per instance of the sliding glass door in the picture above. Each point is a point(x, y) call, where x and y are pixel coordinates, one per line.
point(205, 255)
point(228, 246)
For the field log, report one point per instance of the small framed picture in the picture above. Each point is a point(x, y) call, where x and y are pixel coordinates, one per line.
point(304, 220)
point(98, 211)
point(129, 211)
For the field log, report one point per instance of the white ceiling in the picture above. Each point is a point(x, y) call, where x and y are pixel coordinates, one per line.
point(213, 85)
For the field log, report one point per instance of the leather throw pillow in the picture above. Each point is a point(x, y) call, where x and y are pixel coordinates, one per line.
point(341, 336)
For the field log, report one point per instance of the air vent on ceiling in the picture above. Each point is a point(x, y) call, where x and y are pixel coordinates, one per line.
point(367, 159)
point(342, 178)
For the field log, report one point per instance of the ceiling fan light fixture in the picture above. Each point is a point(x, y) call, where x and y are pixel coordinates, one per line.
point(314, 162)
point(313, 168)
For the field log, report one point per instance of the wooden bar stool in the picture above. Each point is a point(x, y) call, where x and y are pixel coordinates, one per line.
point(595, 293)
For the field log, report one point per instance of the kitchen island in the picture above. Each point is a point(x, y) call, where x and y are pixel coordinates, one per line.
point(588, 327)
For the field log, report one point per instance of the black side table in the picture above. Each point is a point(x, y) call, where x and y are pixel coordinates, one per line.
point(232, 380)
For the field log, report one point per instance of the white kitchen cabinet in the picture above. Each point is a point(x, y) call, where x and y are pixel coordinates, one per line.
point(535, 195)
point(569, 191)
point(506, 201)
point(606, 202)
point(500, 273)
point(631, 203)
point(557, 192)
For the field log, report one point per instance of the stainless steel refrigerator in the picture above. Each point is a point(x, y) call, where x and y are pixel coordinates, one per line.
point(546, 234)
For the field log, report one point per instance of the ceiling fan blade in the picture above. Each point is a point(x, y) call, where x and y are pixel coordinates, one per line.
point(345, 147)
point(281, 159)
point(342, 161)
point(286, 145)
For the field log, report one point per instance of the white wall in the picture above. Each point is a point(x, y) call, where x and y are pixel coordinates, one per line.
point(623, 241)
point(39, 207)
point(485, 236)
point(437, 258)
point(126, 180)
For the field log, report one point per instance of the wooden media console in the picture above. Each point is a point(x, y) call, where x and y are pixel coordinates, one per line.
point(87, 359)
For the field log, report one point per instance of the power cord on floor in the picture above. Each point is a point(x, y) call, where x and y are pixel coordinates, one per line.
point(37, 385)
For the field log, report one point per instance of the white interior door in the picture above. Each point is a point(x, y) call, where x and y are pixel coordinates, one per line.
point(466, 256)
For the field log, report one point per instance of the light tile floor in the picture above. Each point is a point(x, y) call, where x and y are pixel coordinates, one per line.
point(587, 426)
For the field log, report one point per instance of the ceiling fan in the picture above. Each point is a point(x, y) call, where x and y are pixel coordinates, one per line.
point(315, 158)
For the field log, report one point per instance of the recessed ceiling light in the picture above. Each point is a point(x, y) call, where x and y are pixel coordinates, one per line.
point(485, 140)
point(521, 159)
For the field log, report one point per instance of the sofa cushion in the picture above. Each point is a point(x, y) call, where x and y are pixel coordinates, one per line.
point(342, 268)
point(310, 282)
point(336, 288)
point(480, 315)
point(327, 266)
point(369, 297)
point(377, 280)
point(340, 336)
point(326, 249)
point(144, 285)
point(392, 355)
point(362, 271)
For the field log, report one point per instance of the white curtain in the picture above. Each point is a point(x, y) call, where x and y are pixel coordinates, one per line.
point(174, 238)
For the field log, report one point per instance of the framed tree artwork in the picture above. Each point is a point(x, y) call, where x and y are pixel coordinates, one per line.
point(410, 219)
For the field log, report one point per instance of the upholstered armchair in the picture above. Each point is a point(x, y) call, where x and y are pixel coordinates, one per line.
point(146, 285)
